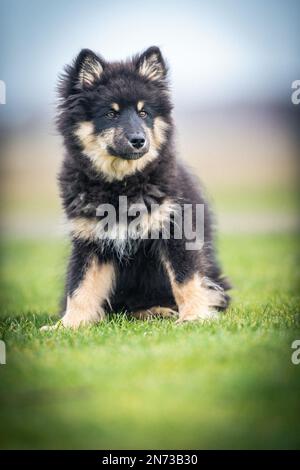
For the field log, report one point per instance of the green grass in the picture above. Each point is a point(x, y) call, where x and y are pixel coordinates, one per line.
point(279, 199)
point(133, 384)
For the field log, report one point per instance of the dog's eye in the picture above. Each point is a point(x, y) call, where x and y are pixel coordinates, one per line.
point(112, 114)
point(143, 114)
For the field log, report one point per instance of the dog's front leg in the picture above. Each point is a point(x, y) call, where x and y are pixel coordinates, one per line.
point(196, 296)
point(89, 285)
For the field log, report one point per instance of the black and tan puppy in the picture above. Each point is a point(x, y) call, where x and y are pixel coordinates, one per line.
point(118, 132)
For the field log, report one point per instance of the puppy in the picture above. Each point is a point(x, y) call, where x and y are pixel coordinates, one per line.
point(140, 228)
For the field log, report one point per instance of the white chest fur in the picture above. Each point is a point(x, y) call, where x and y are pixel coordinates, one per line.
point(117, 232)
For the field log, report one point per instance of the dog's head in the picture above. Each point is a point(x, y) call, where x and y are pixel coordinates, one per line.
point(118, 113)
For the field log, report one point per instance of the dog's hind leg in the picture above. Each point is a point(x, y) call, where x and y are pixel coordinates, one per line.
point(197, 297)
point(163, 312)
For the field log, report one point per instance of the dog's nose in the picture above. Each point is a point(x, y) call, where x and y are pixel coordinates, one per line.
point(136, 140)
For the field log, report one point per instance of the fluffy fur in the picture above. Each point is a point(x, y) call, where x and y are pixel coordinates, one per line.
point(116, 120)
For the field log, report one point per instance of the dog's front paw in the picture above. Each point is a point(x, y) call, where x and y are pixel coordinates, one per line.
point(56, 326)
point(74, 321)
point(194, 313)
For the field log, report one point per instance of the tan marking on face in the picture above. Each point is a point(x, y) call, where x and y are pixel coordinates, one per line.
point(140, 105)
point(157, 135)
point(159, 130)
point(112, 168)
point(194, 299)
point(85, 305)
point(115, 106)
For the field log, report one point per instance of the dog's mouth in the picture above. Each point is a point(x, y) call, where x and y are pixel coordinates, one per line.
point(126, 156)
point(132, 156)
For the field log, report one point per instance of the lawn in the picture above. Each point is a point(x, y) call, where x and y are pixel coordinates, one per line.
point(133, 384)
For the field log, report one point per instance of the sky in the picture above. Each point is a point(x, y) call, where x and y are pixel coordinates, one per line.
point(219, 51)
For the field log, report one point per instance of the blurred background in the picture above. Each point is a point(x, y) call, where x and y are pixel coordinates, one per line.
point(150, 384)
point(232, 64)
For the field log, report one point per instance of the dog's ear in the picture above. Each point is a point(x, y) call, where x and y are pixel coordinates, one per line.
point(86, 69)
point(150, 64)
point(89, 68)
